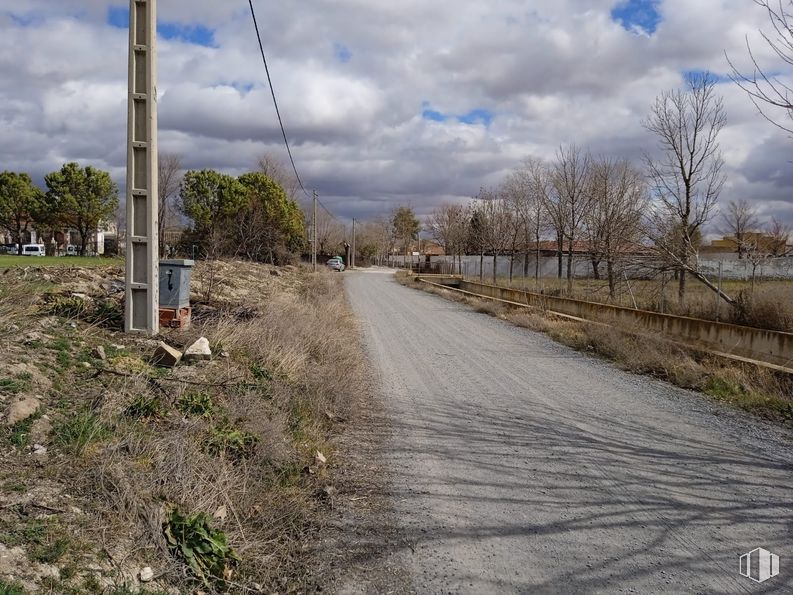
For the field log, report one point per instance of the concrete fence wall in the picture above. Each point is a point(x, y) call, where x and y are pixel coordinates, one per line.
point(766, 346)
point(776, 268)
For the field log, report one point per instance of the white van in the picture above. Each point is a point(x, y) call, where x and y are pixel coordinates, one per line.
point(34, 250)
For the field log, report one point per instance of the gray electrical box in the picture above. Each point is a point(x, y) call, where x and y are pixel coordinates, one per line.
point(175, 283)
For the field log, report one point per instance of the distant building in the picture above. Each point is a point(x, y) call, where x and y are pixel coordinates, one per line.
point(752, 242)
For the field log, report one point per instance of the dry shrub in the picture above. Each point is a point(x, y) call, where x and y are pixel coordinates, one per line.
point(768, 308)
point(293, 369)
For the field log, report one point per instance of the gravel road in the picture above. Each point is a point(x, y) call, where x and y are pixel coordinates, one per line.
point(517, 465)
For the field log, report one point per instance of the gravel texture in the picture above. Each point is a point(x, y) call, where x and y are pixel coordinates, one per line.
point(516, 465)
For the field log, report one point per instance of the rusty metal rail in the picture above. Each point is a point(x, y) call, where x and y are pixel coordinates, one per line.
point(772, 349)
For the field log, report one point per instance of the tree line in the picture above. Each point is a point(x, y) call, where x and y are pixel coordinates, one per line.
point(615, 209)
point(78, 198)
point(249, 216)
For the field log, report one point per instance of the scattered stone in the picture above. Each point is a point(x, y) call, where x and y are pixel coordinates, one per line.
point(32, 337)
point(40, 430)
point(85, 365)
point(73, 325)
point(47, 277)
point(82, 296)
point(22, 409)
point(166, 356)
point(146, 575)
point(220, 513)
point(39, 450)
point(198, 351)
point(319, 459)
point(75, 510)
point(49, 571)
point(118, 347)
point(14, 328)
point(329, 491)
point(99, 353)
point(224, 354)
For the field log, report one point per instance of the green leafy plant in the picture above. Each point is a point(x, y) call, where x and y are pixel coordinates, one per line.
point(200, 404)
point(76, 433)
point(7, 588)
point(20, 431)
point(260, 373)
point(144, 407)
point(17, 384)
point(68, 306)
point(232, 442)
point(108, 313)
point(47, 553)
point(205, 550)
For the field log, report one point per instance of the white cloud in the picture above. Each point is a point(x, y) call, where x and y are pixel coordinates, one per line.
point(551, 72)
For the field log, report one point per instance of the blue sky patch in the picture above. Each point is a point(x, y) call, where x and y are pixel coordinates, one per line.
point(637, 14)
point(433, 116)
point(478, 115)
point(342, 52)
point(475, 116)
point(195, 34)
point(698, 73)
point(21, 20)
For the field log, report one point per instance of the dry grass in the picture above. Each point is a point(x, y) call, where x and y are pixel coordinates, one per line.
point(769, 305)
point(234, 438)
point(755, 389)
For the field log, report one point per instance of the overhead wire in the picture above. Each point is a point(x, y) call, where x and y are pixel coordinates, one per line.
point(278, 113)
point(275, 101)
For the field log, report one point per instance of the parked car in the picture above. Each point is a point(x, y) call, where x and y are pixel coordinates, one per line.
point(9, 248)
point(336, 264)
point(34, 250)
point(71, 250)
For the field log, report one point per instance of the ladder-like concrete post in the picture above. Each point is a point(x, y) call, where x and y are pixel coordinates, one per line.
point(142, 293)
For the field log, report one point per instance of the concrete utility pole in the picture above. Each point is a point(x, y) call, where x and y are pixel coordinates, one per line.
point(142, 288)
point(352, 257)
point(314, 235)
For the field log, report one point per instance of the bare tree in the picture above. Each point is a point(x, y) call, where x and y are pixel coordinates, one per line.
point(516, 194)
point(447, 225)
point(539, 175)
point(739, 220)
point(276, 170)
point(687, 175)
point(779, 237)
point(169, 175)
point(613, 221)
point(571, 184)
point(555, 210)
point(496, 216)
point(767, 91)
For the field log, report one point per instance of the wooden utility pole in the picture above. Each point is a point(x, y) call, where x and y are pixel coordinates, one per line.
point(314, 235)
point(352, 257)
point(141, 313)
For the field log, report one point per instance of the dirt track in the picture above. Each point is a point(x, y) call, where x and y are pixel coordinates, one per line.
point(519, 465)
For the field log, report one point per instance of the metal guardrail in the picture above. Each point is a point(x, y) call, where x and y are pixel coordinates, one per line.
point(773, 349)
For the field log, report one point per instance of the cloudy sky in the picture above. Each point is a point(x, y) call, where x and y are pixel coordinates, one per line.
point(385, 102)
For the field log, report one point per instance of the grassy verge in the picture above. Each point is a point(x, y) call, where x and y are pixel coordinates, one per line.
point(751, 388)
point(12, 261)
point(217, 474)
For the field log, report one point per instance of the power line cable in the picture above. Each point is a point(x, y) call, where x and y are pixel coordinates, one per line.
point(275, 101)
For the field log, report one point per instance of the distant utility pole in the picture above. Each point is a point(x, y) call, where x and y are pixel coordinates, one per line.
point(141, 313)
point(352, 257)
point(314, 235)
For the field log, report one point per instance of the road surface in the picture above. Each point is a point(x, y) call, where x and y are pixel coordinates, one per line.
point(517, 465)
